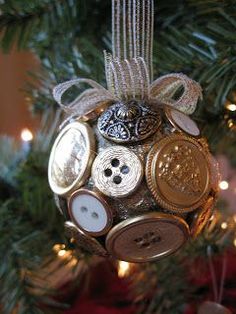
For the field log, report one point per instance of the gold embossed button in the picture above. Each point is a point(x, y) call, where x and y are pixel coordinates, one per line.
point(71, 157)
point(90, 212)
point(84, 241)
point(147, 237)
point(178, 173)
point(181, 121)
point(202, 217)
point(117, 171)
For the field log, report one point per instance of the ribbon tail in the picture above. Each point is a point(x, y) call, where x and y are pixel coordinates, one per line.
point(165, 88)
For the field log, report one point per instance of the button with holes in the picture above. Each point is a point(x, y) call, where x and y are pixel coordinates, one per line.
point(147, 237)
point(84, 241)
point(117, 171)
point(90, 212)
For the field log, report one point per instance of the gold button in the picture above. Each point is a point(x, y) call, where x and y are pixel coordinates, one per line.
point(147, 237)
point(83, 240)
point(201, 218)
point(71, 157)
point(178, 174)
point(90, 212)
point(181, 121)
point(117, 171)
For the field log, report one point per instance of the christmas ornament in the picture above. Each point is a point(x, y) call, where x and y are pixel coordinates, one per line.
point(212, 307)
point(130, 170)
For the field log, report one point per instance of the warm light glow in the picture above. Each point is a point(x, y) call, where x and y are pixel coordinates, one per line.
point(231, 107)
point(58, 247)
point(223, 185)
point(235, 242)
point(26, 135)
point(123, 269)
point(73, 262)
point(61, 253)
point(224, 225)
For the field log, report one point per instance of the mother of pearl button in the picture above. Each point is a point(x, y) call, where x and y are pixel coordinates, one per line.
point(90, 212)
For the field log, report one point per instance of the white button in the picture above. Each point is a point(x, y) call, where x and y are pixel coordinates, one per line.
point(70, 158)
point(90, 212)
point(117, 171)
point(184, 122)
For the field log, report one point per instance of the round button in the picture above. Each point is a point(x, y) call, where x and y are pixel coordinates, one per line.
point(71, 157)
point(117, 171)
point(147, 237)
point(128, 122)
point(202, 217)
point(83, 240)
point(90, 212)
point(182, 121)
point(178, 173)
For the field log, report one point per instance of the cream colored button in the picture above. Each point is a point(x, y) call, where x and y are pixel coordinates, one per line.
point(90, 212)
point(84, 241)
point(147, 237)
point(181, 121)
point(71, 157)
point(117, 171)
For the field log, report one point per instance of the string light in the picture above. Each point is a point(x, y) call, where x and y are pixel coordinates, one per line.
point(231, 107)
point(26, 135)
point(223, 185)
point(61, 253)
point(224, 225)
point(123, 269)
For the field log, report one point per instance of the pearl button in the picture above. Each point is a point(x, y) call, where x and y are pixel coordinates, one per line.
point(90, 212)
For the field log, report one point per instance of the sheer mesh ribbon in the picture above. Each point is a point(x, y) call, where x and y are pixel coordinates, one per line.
point(129, 68)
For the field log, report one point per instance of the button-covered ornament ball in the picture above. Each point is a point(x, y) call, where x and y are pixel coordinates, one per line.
point(130, 170)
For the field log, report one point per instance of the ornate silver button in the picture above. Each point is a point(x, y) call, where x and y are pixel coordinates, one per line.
point(128, 122)
point(117, 171)
point(90, 212)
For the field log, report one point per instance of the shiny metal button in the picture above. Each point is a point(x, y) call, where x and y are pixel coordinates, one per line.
point(202, 216)
point(90, 212)
point(178, 173)
point(147, 237)
point(84, 241)
point(128, 122)
point(117, 171)
point(181, 121)
point(71, 157)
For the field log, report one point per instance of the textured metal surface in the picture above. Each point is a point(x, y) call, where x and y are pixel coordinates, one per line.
point(83, 240)
point(117, 171)
point(71, 157)
point(178, 174)
point(147, 237)
point(128, 122)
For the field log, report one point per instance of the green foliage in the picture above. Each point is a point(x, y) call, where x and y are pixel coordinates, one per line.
point(196, 37)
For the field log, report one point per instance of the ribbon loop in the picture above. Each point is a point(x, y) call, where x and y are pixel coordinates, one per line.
point(165, 87)
point(86, 101)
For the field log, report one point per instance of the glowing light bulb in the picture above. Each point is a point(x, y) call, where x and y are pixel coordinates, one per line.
point(224, 225)
point(61, 253)
point(123, 269)
point(235, 242)
point(223, 185)
point(234, 218)
point(231, 107)
point(26, 135)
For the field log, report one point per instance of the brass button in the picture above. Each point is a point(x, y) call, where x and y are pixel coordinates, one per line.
point(201, 218)
point(181, 121)
point(178, 174)
point(147, 237)
point(71, 157)
point(83, 240)
point(90, 212)
point(128, 122)
point(117, 171)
